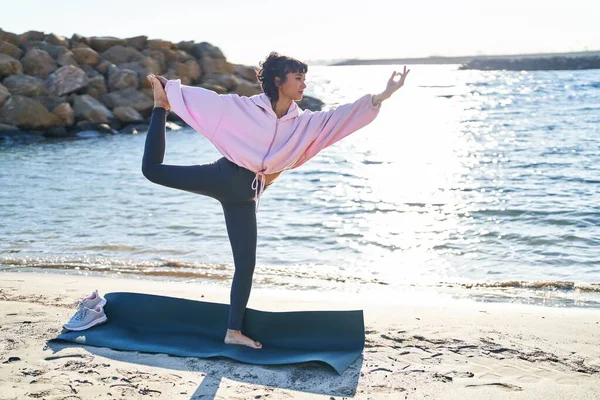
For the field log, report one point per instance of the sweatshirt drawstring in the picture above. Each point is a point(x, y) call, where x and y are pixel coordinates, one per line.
point(258, 185)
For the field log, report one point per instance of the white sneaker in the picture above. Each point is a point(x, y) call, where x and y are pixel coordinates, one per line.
point(85, 318)
point(92, 301)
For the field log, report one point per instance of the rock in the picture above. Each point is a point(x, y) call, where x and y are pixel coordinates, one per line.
point(67, 58)
point(85, 126)
point(77, 40)
point(190, 69)
point(38, 63)
point(101, 44)
point(158, 44)
point(158, 56)
point(25, 85)
point(171, 56)
point(31, 35)
point(127, 115)
point(27, 113)
point(96, 86)
point(4, 94)
point(143, 68)
point(246, 88)
point(139, 101)
point(134, 129)
point(67, 79)
point(186, 46)
point(8, 128)
point(216, 65)
point(121, 79)
point(57, 132)
point(120, 55)
point(50, 101)
point(52, 49)
point(200, 50)
point(138, 42)
point(10, 50)
point(9, 37)
point(57, 40)
point(214, 87)
point(310, 103)
point(65, 112)
point(9, 66)
point(86, 55)
point(103, 67)
point(181, 56)
point(228, 81)
point(88, 108)
point(248, 73)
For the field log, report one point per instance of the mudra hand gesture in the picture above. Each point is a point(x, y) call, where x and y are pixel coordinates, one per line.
point(392, 86)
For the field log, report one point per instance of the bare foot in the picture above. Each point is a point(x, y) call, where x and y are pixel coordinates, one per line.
point(160, 96)
point(237, 337)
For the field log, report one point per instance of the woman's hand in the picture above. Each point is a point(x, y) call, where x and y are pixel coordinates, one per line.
point(391, 87)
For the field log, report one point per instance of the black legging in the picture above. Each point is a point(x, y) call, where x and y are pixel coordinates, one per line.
point(224, 181)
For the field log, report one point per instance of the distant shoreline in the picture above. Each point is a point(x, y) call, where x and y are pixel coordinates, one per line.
point(484, 61)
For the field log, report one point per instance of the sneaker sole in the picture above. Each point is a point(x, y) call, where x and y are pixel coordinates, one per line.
point(88, 326)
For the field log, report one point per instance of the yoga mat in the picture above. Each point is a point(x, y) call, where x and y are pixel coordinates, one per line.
point(181, 327)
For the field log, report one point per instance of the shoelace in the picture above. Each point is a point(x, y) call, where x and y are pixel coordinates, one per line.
point(80, 314)
point(258, 185)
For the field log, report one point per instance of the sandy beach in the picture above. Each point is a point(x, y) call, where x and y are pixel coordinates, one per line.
point(441, 350)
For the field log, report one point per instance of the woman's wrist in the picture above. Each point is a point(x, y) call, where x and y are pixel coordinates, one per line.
point(377, 99)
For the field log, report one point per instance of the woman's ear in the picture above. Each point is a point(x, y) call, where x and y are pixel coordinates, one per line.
point(277, 81)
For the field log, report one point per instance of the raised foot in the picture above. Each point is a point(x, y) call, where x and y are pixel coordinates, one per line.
point(237, 337)
point(160, 96)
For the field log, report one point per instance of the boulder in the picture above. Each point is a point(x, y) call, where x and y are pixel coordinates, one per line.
point(9, 66)
point(103, 67)
point(65, 112)
point(85, 126)
point(67, 79)
point(217, 65)
point(139, 101)
point(185, 46)
point(25, 85)
point(9, 128)
point(158, 44)
point(52, 49)
point(138, 42)
point(78, 40)
point(86, 55)
point(200, 50)
point(134, 129)
point(27, 113)
point(9, 37)
point(310, 103)
point(57, 40)
point(246, 88)
point(4, 94)
point(143, 68)
point(119, 54)
point(10, 50)
point(101, 44)
point(181, 56)
point(96, 86)
point(248, 73)
point(50, 101)
point(67, 58)
point(189, 69)
point(38, 63)
point(128, 115)
point(31, 35)
point(228, 81)
point(87, 108)
point(57, 132)
point(159, 57)
point(121, 79)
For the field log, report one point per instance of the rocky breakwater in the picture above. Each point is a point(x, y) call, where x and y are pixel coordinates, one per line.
point(531, 63)
point(57, 86)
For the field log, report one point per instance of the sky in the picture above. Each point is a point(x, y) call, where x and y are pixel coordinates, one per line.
point(246, 31)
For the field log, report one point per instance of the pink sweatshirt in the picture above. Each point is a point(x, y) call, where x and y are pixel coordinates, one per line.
point(248, 133)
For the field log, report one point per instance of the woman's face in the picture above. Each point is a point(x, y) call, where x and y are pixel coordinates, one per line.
point(294, 86)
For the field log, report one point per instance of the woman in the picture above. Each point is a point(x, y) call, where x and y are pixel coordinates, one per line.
point(260, 137)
